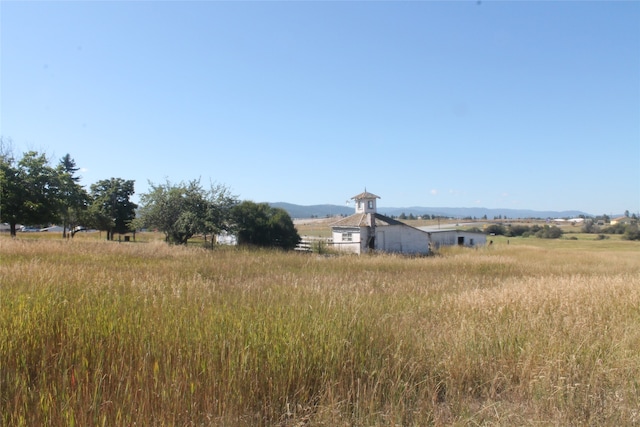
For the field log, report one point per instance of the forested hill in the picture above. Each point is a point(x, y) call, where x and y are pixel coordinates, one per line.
point(320, 211)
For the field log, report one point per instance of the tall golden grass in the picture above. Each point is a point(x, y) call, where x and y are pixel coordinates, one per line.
point(101, 333)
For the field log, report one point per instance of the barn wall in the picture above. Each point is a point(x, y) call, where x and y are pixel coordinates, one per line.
point(398, 238)
point(473, 239)
point(443, 238)
point(347, 246)
point(451, 238)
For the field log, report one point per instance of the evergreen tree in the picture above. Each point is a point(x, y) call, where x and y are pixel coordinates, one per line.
point(74, 200)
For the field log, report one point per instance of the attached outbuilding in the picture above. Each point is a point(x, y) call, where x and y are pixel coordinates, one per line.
point(452, 237)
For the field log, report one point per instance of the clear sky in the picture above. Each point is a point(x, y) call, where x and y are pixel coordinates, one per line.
point(497, 104)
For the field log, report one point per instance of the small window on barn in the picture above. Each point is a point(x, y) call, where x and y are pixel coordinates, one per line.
point(370, 204)
point(347, 237)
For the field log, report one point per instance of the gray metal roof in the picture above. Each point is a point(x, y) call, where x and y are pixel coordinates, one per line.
point(364, 220)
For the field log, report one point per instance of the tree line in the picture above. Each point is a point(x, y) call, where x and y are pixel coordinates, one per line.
point(33, 191)
point(628, 231)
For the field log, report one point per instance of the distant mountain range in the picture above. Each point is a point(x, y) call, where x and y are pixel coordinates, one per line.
point(321, 211)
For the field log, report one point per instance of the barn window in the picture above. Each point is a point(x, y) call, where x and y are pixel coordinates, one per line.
point(347, 237)
point(370, 204)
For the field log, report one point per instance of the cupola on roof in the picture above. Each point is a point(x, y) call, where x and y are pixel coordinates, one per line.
point(366, 202)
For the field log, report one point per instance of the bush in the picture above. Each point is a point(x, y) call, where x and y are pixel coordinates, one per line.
point(590, 227)
point(517, 230)
point(615, 229)
point(547, 232)
point(496, 229)
point(631, 232)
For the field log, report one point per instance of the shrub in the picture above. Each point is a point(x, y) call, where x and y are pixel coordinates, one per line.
point(517, 230)
point(496, 229)
point(631, 232)
point(619, 228)
point(547, 232)
point(590, 227)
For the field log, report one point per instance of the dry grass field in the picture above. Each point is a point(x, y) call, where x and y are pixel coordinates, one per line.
point(533, 332)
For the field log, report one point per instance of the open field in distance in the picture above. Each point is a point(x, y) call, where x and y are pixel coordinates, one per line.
point(534, 332)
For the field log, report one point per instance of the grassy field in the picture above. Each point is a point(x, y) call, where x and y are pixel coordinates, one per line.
point(533, 332)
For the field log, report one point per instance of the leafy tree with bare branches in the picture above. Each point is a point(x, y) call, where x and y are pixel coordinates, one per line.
point(183, 210)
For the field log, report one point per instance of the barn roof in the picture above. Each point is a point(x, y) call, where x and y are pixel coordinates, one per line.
point(364, 220)
point(622, 219)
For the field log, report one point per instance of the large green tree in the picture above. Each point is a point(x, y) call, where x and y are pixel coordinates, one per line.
point(8, 188)
point(183, 210)
point(29, 190)
point(111, 207)
point(263, 225)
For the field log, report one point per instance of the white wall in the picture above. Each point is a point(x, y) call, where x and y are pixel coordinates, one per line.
point(404, 239)
point(389, 238)
point(474, 239)
point(443, 238)
point(450, 238)
point(345, 245)
point(366, 206)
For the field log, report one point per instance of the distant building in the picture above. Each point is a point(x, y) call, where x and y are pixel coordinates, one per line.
point(622, 220)
point(367, 230)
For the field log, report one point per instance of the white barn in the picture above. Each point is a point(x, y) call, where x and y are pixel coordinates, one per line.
point(367, 230)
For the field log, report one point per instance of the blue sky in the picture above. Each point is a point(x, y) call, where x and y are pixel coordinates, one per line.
point(497, 104)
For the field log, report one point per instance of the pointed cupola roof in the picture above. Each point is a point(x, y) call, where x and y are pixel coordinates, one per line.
point(365, 195)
